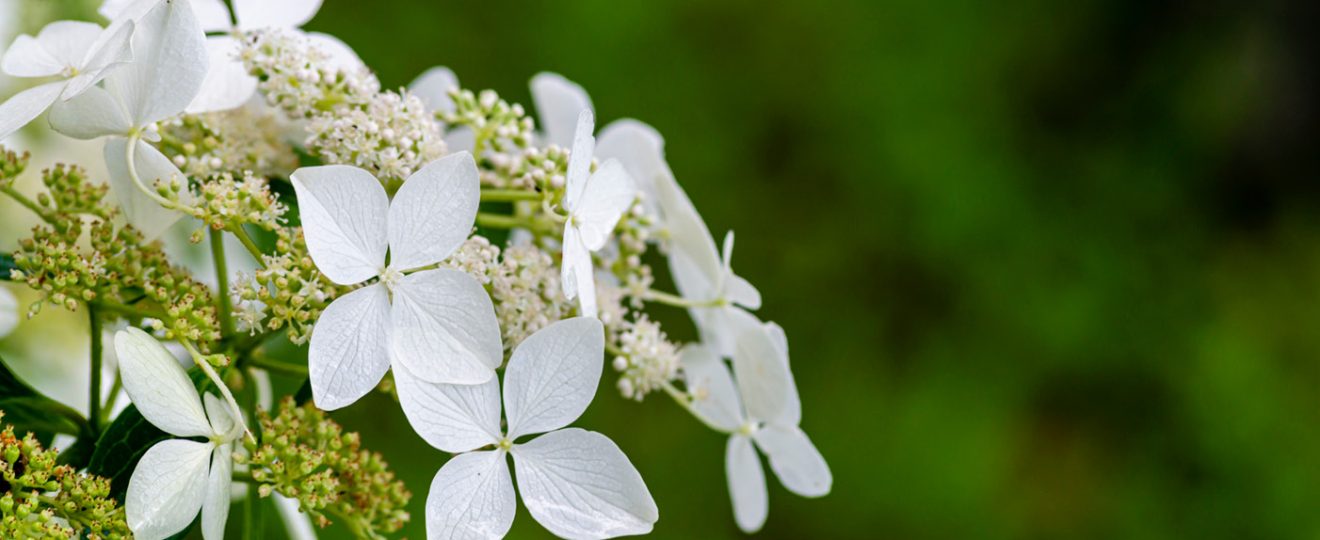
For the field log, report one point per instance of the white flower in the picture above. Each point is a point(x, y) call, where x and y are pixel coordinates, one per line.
point(595, 202)
point(167, 70)
point(433, 87)
point(8, 312)
point(176, 477)
point(80, 53)
point(559, 104)
point(576, 483)
point(766, 416)
point(438, 323)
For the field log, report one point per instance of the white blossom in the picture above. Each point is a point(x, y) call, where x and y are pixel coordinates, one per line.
point(79, 53)
point(176, 478)
point(595, 202)
point(439, 323)
point(705, 278)
point(576, 483)
point(761, 409)
point(8, 312)
point(433, 87)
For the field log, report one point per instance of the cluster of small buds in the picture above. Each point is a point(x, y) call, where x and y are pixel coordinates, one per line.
point(528, 169)
point(646, 359)
point(633, 233)
point(476, 256)
point(12, 164)
point(497, 126)
point(70, 193)
point(305, 456)
point(115, 269)
point(287, 292)
point(40, 499)
point(527, 293)
point(391, 135)
point(242, 139)
point(225, 201)
point(350, 121)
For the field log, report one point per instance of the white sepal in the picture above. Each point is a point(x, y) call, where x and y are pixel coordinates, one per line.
point(92, 114)
point(227, 85)
point(344, 211)
point(143, 212)
point(167, 488)
point(471, 497)
point(169, 64)
point(433, 86)
point(8, 312)
point(450, 417)
point(711, 387)
point(215, 508)
point(24, 106)
point(159, 386)
point(577, 275)
point(258, 14)
point(444, 328)
point(764, 381)
point(796, 462)
point(433, 212)
point(578, 484)
point(606, 196)
point(349, 350)
point(552, 376)
point(558, 103)
point(746, 480)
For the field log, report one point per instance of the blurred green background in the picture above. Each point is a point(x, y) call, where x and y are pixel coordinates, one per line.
point(1048, 269)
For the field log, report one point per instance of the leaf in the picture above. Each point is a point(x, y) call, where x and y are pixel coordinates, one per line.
point(29, 410)
point(77, 454)
point(7, 265)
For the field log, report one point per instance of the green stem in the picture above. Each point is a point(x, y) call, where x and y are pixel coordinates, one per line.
point(127, 309)
point(508, 195)
point(129, 151)
point(94, 387)
point(226, 304)
point(274, 366)
point(110, 400)
point(26, 202)
point(247, 242)
point(678, 301)
point(685, 401)
point(501, 221)
point(219, 383)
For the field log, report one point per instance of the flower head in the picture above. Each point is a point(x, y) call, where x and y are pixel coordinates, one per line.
point(595, 202)
point(439, 323)
point(177, 477)
point(576, 483)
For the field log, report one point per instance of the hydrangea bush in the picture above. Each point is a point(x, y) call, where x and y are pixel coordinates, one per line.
point(483, 268)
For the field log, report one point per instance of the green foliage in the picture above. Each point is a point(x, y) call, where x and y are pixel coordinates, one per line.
point(121, 446)
point(30, 411)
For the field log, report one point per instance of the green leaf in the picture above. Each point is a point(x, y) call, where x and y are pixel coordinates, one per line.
point(121, 446)
point(77, 454)
point(30, 411)
point(6, 264)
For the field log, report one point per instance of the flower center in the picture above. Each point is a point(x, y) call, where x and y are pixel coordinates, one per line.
point(391, 278)
point(748, 429)
point(505, 444)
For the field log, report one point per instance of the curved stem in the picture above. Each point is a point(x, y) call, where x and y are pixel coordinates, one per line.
point(509, 195)
point(225, 304)
point(247, 242)
point(675, 300)
point(275, 366)
point(26, 202)
point(130, 151)
point(685, 401)
point(94, 386)
point(220, 384)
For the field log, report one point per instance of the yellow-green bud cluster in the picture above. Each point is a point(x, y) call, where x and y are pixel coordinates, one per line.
point(288, 292)
point(242, 139)
point(497, 125)
point(305, 456)
point(11, 165)
point(226, 202)
point(40, 499)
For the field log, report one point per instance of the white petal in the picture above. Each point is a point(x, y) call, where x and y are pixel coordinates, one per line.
point(27, 57)
point(433, 212)
point(349, 353)
point(91, 114)
point(114, 45)
point(125, 9)
point(558, 103)
point(8, 312)
point(445, 328)
point(169, 64)
point(68, 42)
point(460, 139)
point(693, 258)
point(217, 410)
point(158, 385)
point(577, 274)
point(340, 57)
point(764, 381)
point(450, 417)
point(579, 159)
point(796, 462)
point(608, 193)
point(641, 149)
point(433, 86)
point(297, 525)
point(212, 15)
point(737, 289)
point(471, 498)
point(27, 105)
point(552, 376)
point(215, 509)
point(142, 211)
point(720, 327)
point(167, 488)
point(746, 484)
point(257, 14)
point(713, 392)
point(344, 216)
point(227, 85)
point(578, 484)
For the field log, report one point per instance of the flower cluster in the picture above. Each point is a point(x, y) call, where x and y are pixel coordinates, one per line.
point(484, 265)
point(305, 456)
point(41, 499)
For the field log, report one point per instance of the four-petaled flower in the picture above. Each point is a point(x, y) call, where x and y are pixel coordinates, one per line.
point(176, 477)
point(80, 53)
point(576, 483)
point(595, 202)
point(762, 407)
point(439, 323)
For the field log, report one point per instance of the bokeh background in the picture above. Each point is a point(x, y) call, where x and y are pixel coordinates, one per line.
point(1048, 269)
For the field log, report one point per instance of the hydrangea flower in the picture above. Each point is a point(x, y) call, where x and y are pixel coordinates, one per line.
point(79, 53)
point(8, 312)
point(433, 87)
point(576, 483)
point(439, 323)
point(595, 202)
point(761, 409)
point(166, 73)
point(175, 478)
point(559, 105)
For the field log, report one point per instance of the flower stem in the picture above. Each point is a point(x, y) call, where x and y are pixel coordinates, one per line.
point(94, 386)
point(675, 300)
point(129, 151)
point(684, 400)
point(501, 221)
point(127, 309)
point(274, 366)
point(26, 202)
point(225, 304)
point(251, 246)
point(219, 383)
point(509, 195)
